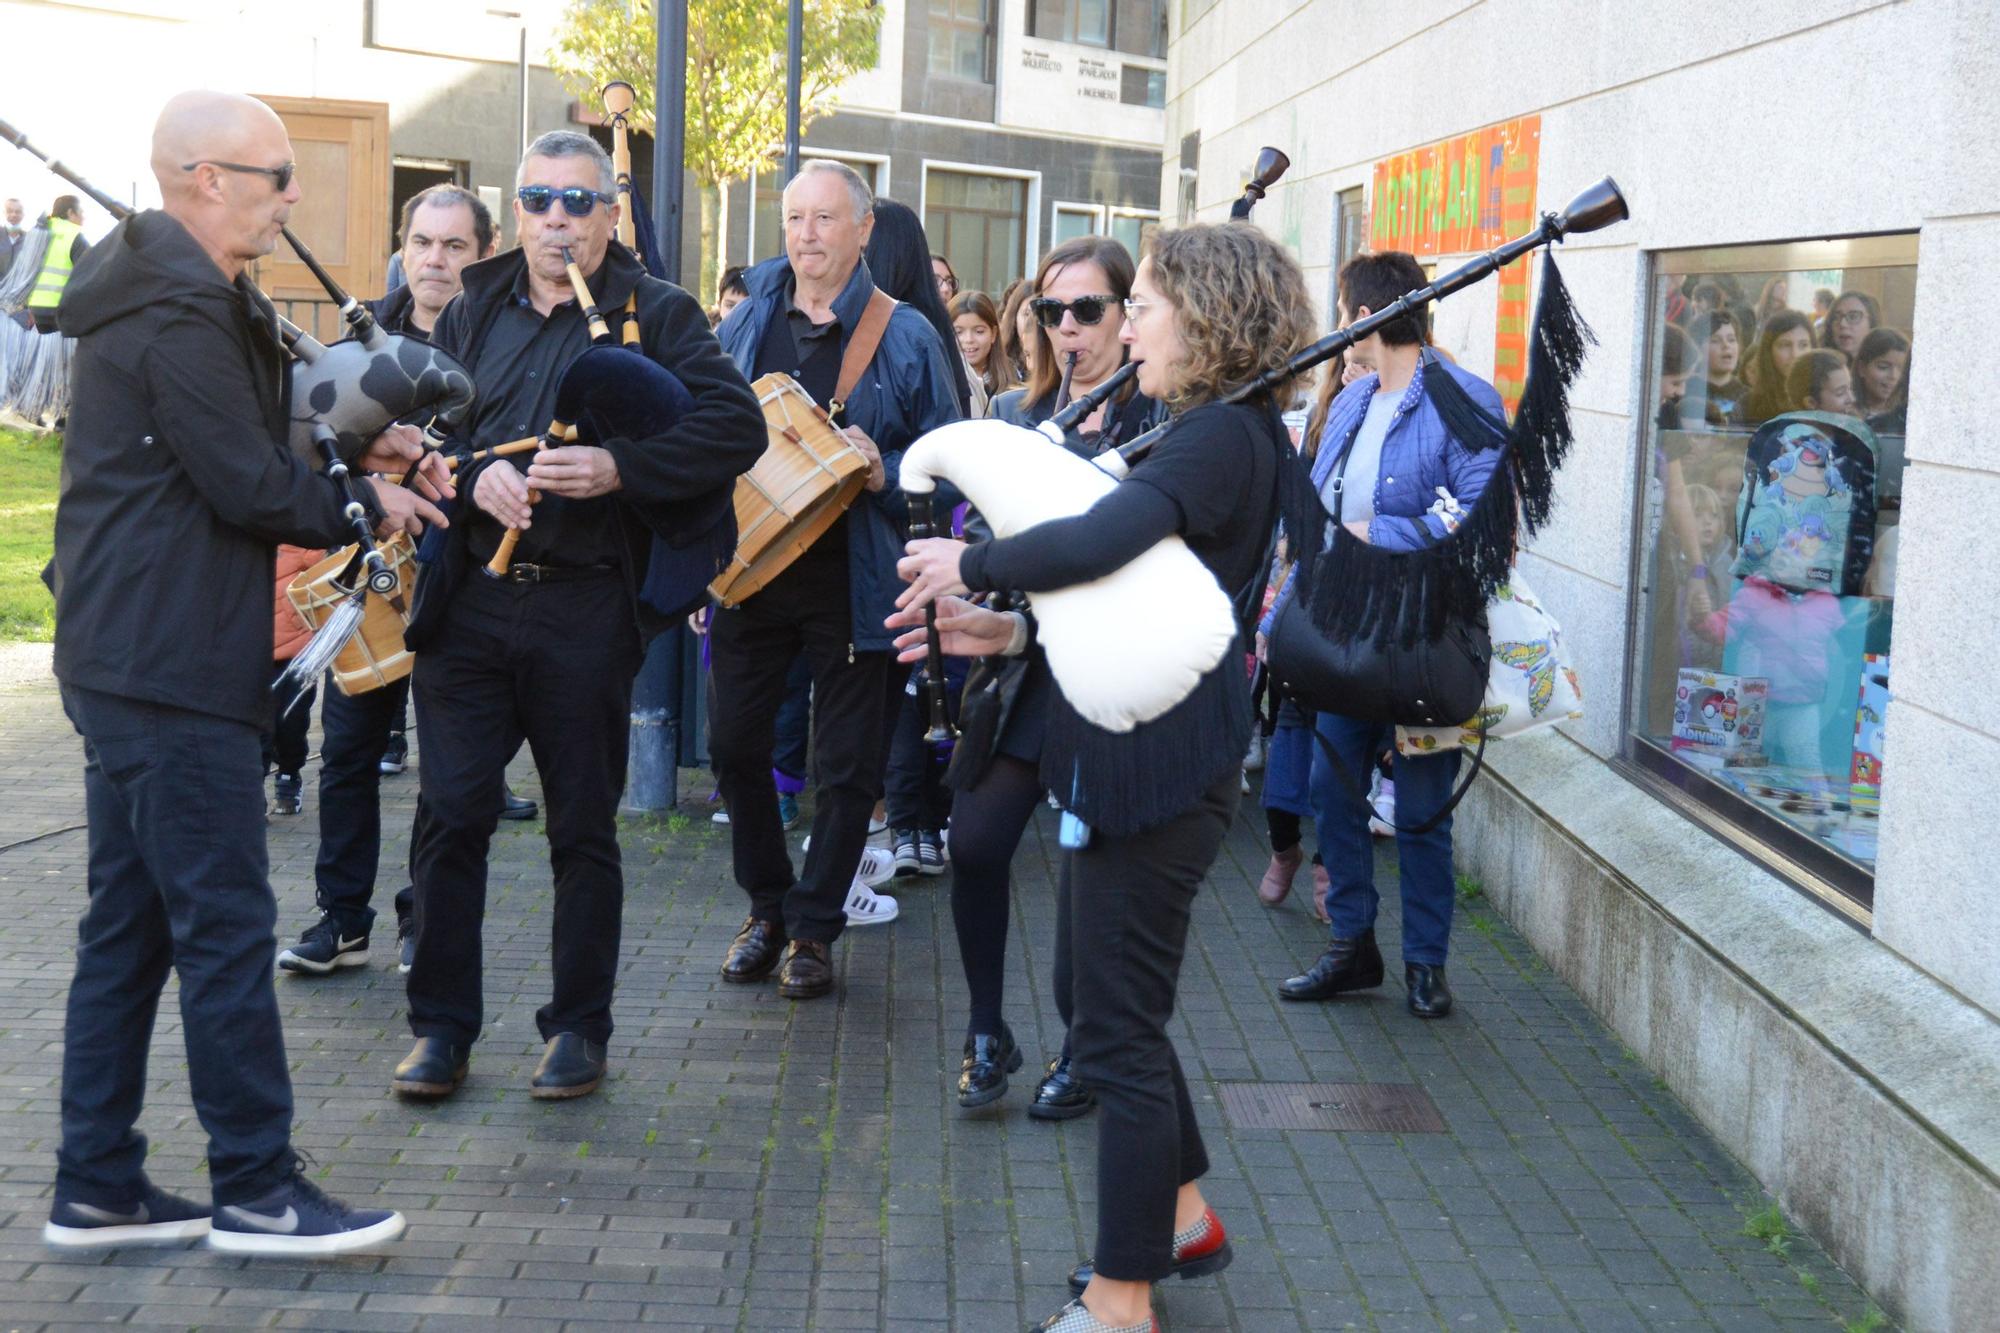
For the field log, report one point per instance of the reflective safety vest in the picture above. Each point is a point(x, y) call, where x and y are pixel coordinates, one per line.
point(49, 283)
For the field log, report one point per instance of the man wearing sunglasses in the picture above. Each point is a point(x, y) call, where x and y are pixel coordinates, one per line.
point(804, 312)
point(178, 482)
point(547, 651)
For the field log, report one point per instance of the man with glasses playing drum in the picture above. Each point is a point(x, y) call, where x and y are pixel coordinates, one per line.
point(546, 648)
point(804, 311)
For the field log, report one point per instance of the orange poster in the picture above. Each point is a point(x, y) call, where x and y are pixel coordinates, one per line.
point(1465, 194)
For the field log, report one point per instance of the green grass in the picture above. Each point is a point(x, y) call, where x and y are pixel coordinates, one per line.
point(1768, 1225)
point(29, 465)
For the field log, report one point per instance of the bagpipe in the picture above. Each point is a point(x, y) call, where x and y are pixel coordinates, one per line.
point(1130, 647)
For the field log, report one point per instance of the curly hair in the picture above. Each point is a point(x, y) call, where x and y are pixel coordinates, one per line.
point(1240, 306)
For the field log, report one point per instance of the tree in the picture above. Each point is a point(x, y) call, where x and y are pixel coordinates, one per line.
point(735, 79)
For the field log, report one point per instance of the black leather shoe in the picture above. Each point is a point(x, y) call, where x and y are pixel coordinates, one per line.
point(754, 951)
point(1430, 997)
point(988, 1061)
point(1061, 1094)
point(807, 972)
point(1346, 965)
point(517, 807)
point(434, 1068)
point(570, 1067)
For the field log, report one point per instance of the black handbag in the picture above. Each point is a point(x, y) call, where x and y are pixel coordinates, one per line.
point(1432, 683)
point(1436, 682)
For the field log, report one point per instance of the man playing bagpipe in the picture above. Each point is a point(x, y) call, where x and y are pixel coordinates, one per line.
point(541, 639)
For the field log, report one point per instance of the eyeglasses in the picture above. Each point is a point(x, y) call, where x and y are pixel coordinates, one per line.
point(576, 201)
point(1851, 315)
point(1133, 307)
point(280, 176)
point(1087, 309)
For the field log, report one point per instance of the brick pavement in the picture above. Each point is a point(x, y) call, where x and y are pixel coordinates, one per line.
point(756, 1164)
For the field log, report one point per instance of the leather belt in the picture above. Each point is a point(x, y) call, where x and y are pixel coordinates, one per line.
point(522, 572)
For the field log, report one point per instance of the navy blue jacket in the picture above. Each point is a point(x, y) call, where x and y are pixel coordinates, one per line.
point(906, 391)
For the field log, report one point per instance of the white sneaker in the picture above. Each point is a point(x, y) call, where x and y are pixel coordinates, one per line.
point(1253, 758)
point(878, 866)
point(719, 817)
point(865, 907)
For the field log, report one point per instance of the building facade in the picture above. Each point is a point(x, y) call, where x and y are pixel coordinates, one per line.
point(1009, 125)
point(1760, 555)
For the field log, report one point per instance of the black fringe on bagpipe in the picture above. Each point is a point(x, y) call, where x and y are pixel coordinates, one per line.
point(1358, 591)
point(1124, 783)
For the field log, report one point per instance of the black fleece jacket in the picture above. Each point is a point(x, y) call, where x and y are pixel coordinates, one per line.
point(177, 483)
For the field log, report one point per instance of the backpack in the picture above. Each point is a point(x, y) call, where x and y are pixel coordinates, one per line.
point(1805, 519)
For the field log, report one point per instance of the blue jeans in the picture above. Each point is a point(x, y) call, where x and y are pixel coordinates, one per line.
point(1423, 784)
point(179, 878)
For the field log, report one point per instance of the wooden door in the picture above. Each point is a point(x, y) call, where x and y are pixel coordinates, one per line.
point(342, 149)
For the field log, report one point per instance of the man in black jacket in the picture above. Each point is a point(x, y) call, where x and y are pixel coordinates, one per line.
point(177, 484)
point(444, 229)
point(548, 649)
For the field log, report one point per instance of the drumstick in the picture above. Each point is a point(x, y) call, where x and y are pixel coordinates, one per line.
point(557, 433)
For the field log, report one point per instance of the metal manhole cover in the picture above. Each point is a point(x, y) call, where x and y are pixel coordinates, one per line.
point(1392, 1108)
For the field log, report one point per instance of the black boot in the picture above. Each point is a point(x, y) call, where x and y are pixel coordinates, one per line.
point(572, 1066)
point(434, 1068)
point(1430, 997)
point(1346, 965)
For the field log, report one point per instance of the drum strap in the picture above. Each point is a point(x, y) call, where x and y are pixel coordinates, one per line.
point(860, 350)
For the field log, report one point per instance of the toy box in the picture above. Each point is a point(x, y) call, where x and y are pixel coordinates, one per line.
point(1865, 777)
point(1716, 713)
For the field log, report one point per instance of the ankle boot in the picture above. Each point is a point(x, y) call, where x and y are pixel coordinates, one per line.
point(1346, 965)
point(1277, 883)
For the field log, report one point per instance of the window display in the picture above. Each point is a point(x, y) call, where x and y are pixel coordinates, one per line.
point(1773, 485)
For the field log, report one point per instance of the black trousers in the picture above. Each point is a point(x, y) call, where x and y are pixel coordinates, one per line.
point(553, 663)
point(1121, 929)
point(180, 879)
point(804, 611)
point(914, 782)
point(354, 731)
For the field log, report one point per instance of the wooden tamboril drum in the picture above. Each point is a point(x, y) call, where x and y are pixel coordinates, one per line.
point(375, 656)
point(808, 476)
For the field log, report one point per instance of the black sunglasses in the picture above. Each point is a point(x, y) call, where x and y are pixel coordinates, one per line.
point(1087, 309)
point(280, 176)
point(576, 201)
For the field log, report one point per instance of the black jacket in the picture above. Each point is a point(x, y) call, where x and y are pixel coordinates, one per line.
point(668, 481)
point(176, 480)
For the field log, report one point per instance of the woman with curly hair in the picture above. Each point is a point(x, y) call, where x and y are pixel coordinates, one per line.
point(1212, 307)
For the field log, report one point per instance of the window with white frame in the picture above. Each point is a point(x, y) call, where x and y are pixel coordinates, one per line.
point(980, 223)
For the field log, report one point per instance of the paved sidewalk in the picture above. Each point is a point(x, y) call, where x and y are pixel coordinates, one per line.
point(757, 1164)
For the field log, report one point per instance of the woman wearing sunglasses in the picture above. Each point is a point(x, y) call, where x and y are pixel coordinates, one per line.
point(1212, 308)
point(994, 773)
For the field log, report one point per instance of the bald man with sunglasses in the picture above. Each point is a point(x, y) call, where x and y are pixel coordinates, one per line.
point(547, 652)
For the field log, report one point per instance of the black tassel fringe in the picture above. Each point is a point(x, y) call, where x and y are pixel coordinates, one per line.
point(1361, 591)
point(1124, 783)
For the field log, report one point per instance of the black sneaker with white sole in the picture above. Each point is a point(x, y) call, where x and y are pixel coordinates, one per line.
point(298, 1220)
point(155, 1217)
point(323, 948)
point(903, 843)
point(406, 945)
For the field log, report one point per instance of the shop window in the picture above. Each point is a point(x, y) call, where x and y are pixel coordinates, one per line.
point(979, 223)
point(1773, 479)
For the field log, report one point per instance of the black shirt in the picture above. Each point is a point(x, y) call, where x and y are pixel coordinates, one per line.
point(517, 366)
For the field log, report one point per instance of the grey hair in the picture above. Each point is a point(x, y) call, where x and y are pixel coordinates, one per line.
point(567, 143)
point(857, 188)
